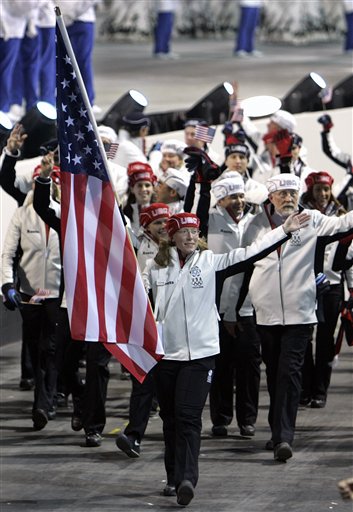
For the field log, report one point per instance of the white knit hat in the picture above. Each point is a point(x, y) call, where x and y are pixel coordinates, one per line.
point(285, 181)
point(173, 146)
point(176, 179)
point(285, 120)
point(108, 132)
point(227, 187)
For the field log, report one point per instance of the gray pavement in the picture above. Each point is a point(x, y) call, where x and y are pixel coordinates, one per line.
point(52, 470)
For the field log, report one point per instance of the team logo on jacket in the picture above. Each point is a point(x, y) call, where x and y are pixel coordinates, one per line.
point(196, 279)
point(295, 239)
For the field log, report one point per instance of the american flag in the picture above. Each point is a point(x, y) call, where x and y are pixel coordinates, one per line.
point(105, 296)
point(205, 133)
point(111, 149)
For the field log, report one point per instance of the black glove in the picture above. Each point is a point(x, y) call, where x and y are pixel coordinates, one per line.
point(12, 298)
point(198, 161)
point(350, 299)
point(326, 122)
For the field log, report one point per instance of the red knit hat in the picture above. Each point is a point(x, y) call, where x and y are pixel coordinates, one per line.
point(153, 212)
point(140, 171)
point(181, 220)
point(321, 178)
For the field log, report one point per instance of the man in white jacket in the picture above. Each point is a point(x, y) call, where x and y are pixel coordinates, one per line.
point(239, 355)
point(283, 293)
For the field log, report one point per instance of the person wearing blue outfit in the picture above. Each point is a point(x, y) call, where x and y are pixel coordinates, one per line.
point(249, 18)
point(164, 28)
point(80, 21)
point(47, 62)
point(348, 13)
point(15, 15)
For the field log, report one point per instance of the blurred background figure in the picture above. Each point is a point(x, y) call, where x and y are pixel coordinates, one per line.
point(348, 12)
point(80, 21)
point(249, 19)
point(164, 28)
point(15, 16)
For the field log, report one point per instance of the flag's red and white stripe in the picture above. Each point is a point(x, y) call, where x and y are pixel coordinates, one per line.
point(205, 133)
point(105, 296)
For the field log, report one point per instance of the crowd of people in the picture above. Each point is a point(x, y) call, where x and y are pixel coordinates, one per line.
point(247, 253)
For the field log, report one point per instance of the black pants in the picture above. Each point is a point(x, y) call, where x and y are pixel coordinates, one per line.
point(140, 406)
point(182, 388)
point(317, 374)
point(95, 394)
point(39, 325)
point(26, 363)
point(283, 351)
point(68, 354)
point(241, 356)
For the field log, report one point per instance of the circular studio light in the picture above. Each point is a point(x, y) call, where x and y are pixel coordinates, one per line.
point(260, 106)
point(318, 80)
point(48, 110)
point(228, 87)
point(138, 97)
point(5, 121)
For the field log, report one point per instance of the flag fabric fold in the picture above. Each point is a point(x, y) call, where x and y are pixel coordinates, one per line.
point(105, 295)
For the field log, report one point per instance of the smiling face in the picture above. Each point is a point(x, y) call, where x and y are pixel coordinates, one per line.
point(234, 202)
point(285, 201)
point(143, 192)
point(171, 160)
point(186, 240)
point(157, 229)
point(322, 195)
point(165, 194)
point(237, 162)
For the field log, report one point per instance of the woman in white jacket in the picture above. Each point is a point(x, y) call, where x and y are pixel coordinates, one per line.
point(182, 282)
point(38, 271)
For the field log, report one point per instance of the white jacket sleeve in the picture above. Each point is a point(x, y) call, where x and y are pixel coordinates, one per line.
point(257, 250)
point(11, 241)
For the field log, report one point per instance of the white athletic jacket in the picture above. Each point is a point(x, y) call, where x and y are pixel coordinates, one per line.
point(184, 298)
point(40, 265)
point(282, 286)
point(224, 235)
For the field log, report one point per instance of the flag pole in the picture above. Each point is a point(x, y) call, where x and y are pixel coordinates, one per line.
point(67, 42)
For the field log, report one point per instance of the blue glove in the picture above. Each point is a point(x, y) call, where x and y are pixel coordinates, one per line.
point(12, 298)
point(322, 283)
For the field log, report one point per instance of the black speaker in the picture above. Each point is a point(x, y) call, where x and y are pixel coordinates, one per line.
point(132, 101)
point(342, 94)
point(40, 125)
point(304, 97)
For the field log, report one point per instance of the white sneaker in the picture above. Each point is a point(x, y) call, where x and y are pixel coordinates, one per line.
point(256, 54)
point(167, 56)
point(241, 54)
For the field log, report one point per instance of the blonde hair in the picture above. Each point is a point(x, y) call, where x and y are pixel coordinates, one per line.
point(163, 256)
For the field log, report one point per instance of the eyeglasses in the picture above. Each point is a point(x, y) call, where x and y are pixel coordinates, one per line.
point(189, 231)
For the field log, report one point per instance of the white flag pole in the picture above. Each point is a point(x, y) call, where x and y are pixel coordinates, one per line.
point(67, 42)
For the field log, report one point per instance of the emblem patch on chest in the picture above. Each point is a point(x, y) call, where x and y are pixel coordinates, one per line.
point(196, 278)
point(295, 239)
